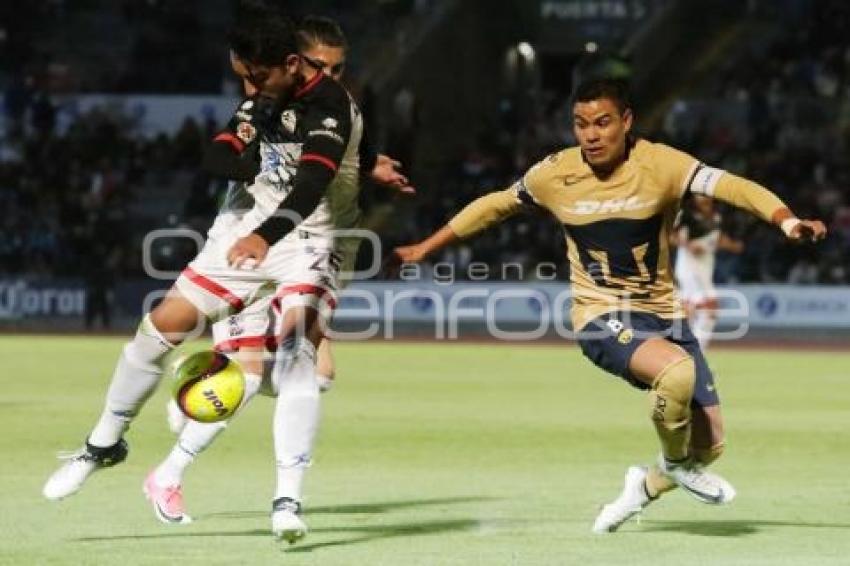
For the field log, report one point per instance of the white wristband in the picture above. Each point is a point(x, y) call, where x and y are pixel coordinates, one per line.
point(788, 225)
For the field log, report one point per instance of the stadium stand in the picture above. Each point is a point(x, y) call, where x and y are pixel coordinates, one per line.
point(777, 111)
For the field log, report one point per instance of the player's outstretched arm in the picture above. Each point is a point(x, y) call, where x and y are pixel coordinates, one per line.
point(415, 253)
point(752, 197)
point(477, 216)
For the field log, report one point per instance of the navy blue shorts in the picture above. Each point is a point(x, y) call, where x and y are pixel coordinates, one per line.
point(618, 335)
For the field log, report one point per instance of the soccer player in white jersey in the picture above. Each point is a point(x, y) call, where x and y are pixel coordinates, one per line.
point(699, 238)
point(248, 334)
point(276, 229)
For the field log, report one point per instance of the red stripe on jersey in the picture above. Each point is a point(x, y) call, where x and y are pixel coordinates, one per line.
point(227, 137)
point(302, 289)
point(268, 342)
point(310, 85)
point(320, 159)
point(209, 285)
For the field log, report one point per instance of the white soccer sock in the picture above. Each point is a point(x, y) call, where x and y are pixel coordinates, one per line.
point(195, 438)
point(296, 415)
point(170, 472)
point(703, 327)
point(135, 378)
point(325, 382)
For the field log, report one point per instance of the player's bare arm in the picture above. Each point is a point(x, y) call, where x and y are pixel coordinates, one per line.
point(477, 216)
point(415, 253)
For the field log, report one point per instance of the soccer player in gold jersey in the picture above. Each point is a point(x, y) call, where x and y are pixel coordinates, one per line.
point(617, 198)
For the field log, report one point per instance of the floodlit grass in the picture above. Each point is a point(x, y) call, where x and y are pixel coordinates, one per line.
point(437, 454)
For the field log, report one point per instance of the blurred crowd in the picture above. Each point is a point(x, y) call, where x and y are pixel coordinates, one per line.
point(778, 113)
point(76, 201)
point(77, 197)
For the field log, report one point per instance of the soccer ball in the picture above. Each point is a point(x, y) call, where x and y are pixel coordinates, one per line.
point(208, 386)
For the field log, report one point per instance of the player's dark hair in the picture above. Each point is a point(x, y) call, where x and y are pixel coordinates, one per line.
point(315, 30)
point(262, 33)
point(615, 90)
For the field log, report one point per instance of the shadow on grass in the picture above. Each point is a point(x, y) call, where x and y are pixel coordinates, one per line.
point(179, 534)
point(736, 528)
point(353, 508)
point(378, 532)
point(367, 533)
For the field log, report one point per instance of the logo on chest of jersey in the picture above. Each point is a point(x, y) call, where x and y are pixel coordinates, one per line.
point(279, 153)
point(288, 120)
point(609, 206)
point(573, 179)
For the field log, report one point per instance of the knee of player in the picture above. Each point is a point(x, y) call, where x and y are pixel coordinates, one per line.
point(672, 392)
point(173, 322)
point(251, 360)
point(677, 380)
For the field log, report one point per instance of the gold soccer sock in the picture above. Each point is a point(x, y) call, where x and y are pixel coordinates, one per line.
point(657, 482)
point(670, 399)
point(707, 456)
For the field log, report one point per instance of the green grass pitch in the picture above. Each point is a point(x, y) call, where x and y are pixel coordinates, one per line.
point(436, 454)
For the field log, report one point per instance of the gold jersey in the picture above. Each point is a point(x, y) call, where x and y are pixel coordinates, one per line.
point(617, 228)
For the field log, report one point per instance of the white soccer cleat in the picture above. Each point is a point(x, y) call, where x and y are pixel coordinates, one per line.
point(629, 503)
point(286, 524)
point(79, 465)
point(176, 419)
point(704, 486)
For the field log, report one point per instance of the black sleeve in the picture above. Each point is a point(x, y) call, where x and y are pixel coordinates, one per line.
point(368, 154)
point(221, 160)
point(234, 152)
point(327, 128)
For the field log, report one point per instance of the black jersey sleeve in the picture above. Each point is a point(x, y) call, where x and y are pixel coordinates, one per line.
point(326, 127)
point(234, 152)
point(220, 160)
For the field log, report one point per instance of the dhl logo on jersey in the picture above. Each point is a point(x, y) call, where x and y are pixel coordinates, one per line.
point(609, 206)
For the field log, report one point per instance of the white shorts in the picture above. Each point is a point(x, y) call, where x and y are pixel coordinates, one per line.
point(300, 270)
point(695, 277)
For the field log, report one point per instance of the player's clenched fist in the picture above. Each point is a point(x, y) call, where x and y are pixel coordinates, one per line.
point(248, 252)
point(811, 230)
point(804, 230)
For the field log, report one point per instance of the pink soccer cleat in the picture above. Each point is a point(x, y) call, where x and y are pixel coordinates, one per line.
point(167, 501)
